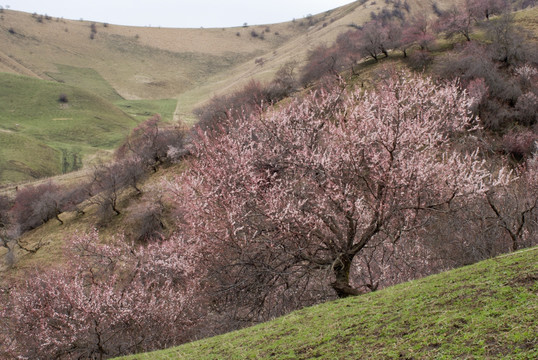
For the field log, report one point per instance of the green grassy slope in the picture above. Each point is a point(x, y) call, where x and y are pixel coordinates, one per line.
point(143, 109)
point(30, 110)
point(487, 310)
point(85, 78)
point(23, 158)
point(528, 19)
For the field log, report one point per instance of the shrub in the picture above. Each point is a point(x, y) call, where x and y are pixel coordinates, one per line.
point(419, 60)
point(514, 208)
point(510, 44)
point(321, 61)
point(478, 91)
point(35, 205)
point(63, 98)
point(416, 32)
point(528, 77)
point(146, 221)
point(473, 61)
point(519, 144)
point(284, 83)
point(527, 109)
point(105, 186)
point(149, 142)
point(73, 197)
point(5, 219)
point(212, 116)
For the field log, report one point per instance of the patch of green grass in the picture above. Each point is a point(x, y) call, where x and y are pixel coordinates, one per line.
point(22, 157)
point(85, 78)
point(30, 109)
point(143, 109)
point(90, 80)
point(528, 19)
point(486, 310)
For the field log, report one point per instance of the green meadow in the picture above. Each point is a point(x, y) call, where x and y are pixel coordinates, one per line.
point(47, 128)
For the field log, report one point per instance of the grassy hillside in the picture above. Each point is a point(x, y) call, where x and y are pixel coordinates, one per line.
point(157, 63)
point(138, 62)
point(34, 121)
point(37, 129)
point(528, 19)
point(85, 78)
point(141, 70)
point(487, 310)
point(23, 158)
point(143, 109)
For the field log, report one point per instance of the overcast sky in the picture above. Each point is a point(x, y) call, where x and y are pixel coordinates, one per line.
point(177, 13)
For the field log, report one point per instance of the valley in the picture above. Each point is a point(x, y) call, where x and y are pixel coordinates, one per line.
point(164, 185)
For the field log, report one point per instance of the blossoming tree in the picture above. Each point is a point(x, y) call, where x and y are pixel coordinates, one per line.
point(281, 196)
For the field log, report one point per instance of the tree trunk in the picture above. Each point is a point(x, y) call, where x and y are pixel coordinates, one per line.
point(113, 205)
point(341, 268)
point(385, 52)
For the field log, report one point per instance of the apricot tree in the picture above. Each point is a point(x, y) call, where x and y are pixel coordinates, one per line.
point(284, 196)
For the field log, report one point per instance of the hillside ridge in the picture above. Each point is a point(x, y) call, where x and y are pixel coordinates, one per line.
point(120, 53)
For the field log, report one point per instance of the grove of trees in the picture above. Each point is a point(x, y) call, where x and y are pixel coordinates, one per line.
point(107, 301)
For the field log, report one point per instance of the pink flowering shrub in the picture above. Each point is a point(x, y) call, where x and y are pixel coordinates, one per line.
point(109, 300)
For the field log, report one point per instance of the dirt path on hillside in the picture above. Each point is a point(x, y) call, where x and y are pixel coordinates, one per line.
point(176, 118)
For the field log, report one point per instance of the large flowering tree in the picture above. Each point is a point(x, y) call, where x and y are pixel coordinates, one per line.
point(282, 197)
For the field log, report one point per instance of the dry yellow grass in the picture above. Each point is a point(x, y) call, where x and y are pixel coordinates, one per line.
point(139, 62)
point(156, 63)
